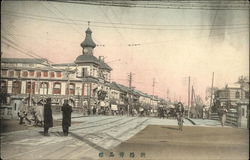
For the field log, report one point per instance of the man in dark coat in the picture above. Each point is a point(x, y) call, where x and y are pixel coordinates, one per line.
point(48, 119)
point(66, 122)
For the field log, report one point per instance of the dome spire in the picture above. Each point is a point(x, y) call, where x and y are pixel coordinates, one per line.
point(88, 41)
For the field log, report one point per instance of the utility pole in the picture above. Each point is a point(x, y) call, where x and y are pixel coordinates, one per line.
point(67, 74)
point(130, 89)
point(192, 97)
point(43, 89)
point(167, 94)
point(188, 96)
point(30, 92)
point(153, 86)
point(211, 99)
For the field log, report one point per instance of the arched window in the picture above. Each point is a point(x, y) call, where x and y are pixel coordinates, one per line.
point(16, 87)
point(18, 73)
point(237, 94)
point(29, 88)
point(58, 74)
point(44, 87)
point(4, 87)
point(45, 73)
point(25, 74)
point(52, 74)
point(31, 73)
point(4, 72)
point(71, 89)
point(57, 88)
point(38, 74)
point(11, 73)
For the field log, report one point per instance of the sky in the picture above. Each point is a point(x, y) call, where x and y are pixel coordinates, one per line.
point(173, 44)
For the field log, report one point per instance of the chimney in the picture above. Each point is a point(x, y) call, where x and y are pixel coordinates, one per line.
point(101, 58)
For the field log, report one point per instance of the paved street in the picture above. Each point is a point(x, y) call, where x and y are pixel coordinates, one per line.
point(156, 137)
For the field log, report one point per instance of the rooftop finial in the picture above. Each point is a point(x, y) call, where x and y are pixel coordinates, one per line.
point(88, 41)
point(88, 23)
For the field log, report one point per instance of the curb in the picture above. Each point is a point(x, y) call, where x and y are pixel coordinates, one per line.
point(191, 121)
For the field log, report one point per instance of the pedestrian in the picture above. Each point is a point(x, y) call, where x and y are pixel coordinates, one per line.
point(23, 112)
point(94, 110)
point(223, 113)
point(66, 122)
point(48, 119)
point(180, 114)
point(203, 112)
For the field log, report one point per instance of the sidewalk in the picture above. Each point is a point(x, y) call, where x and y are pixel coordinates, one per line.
point(205, 122)
point(11, 125)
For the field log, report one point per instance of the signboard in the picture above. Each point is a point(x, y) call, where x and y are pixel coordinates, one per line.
point(114, 107)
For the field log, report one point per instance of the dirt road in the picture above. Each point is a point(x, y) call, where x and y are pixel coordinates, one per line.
point(193, 143)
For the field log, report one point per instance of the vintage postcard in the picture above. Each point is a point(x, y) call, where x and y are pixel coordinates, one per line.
point(125, 80)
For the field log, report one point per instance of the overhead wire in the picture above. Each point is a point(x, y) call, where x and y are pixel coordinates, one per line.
point(31, 52)
point(9, 44)
point(133, 4)
point(110, 23)
point(74, 24)
point(137, 28)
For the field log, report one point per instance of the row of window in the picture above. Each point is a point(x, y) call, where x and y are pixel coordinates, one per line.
point(42, 88)
point(19, 73)
point(237, 94)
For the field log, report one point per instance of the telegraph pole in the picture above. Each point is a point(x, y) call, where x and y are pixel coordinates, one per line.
point(30, 92)
point(188, 96)
point(130, 88)
point(211, 99)
point(153, 86)
point(67, 73)
point(168, 98)
point(192, 97)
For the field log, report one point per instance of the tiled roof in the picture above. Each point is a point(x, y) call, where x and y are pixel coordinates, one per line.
point(114, 86)
point(104, 65)
point(122, 87)
point(142, 94)
point(64, 64)
point(24, 60)
point(87, 58)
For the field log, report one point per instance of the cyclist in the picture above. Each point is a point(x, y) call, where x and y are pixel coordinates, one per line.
point(180, 114)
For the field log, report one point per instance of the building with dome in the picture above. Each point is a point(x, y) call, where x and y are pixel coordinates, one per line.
point(83, 81)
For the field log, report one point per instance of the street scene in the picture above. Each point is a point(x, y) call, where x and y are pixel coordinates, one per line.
point(94, 137)
point(125, 80)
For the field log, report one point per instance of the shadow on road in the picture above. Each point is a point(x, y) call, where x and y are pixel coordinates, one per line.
point(57, 133)
point(173, 128)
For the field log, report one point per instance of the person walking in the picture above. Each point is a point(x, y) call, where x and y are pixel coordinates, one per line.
point(223, 113)
point(203, 112)
point(66, 122)
point(180, 114)
point(48, 119)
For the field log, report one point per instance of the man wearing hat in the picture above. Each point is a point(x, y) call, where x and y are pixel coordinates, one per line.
point(48, 119)
point(66, 122)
